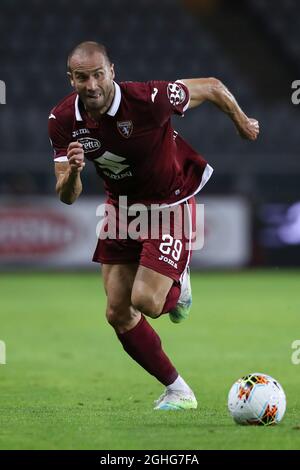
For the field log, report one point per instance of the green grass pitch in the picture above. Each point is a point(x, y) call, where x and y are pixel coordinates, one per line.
point(67, 383)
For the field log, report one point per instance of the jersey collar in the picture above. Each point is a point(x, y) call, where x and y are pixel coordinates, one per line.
point(116, 101)
point(112, 111)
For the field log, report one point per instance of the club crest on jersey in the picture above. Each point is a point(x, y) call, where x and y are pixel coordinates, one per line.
point(176, 93)
point(125, 128)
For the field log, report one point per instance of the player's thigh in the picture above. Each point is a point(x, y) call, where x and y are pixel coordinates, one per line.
point(168, 253)
point(118, 280)
point(165, 256)
point(149, 290)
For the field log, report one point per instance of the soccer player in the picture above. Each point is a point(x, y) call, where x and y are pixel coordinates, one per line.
point(125, 130)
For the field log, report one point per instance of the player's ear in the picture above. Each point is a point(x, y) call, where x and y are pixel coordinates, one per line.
point(70, 78)
point(112, 69)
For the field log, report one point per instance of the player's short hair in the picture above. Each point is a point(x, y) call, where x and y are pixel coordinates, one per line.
point(88, 47)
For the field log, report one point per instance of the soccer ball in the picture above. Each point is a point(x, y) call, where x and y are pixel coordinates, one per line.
point(257, 399)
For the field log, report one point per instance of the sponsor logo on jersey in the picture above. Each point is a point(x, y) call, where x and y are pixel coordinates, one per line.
point(118, 177)
point(176, 93)
point(89, 144)
point(113, 163)
point(125, 128)
point(80, 132)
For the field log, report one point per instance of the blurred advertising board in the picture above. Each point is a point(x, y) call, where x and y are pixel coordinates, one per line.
point(43, 233)
point(227, 233)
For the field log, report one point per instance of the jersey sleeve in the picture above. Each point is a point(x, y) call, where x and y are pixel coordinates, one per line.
point(168, 98)
point(59, 139)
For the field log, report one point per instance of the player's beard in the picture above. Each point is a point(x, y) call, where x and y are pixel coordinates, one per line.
point(100, 102)
point(94, 104)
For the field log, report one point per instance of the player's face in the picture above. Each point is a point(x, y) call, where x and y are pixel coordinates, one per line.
point(92, 77)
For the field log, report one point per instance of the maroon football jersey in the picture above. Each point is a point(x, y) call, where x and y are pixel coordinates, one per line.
point(134, 148)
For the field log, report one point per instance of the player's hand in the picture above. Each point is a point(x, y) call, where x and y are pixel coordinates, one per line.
point(75, 156)
point(248, 128)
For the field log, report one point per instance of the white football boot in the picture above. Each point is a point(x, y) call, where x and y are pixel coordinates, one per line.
point(176, 400)
point(182, 309)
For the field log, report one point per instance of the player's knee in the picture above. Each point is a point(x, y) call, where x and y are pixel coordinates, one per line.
point(113, 315)
point(146, 303)
point(118, 316)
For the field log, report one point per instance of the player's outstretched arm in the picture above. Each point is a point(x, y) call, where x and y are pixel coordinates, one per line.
point(69, 185)
point(212, 89)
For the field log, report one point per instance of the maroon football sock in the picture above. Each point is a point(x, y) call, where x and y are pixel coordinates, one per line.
point(172, 298)
point(143, 344)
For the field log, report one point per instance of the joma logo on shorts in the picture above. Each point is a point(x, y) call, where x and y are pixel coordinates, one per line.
point(167, 260)
point(2, 92)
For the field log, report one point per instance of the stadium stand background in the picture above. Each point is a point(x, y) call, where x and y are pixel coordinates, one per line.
point(252, 46)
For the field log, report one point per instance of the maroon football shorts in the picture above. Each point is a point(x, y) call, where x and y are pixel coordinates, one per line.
point(157, 239)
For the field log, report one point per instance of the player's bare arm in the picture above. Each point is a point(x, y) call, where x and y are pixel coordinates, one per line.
point(69, 185)
point(212, 89)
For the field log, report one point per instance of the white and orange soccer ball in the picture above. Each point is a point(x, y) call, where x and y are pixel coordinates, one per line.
point(257, 399)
